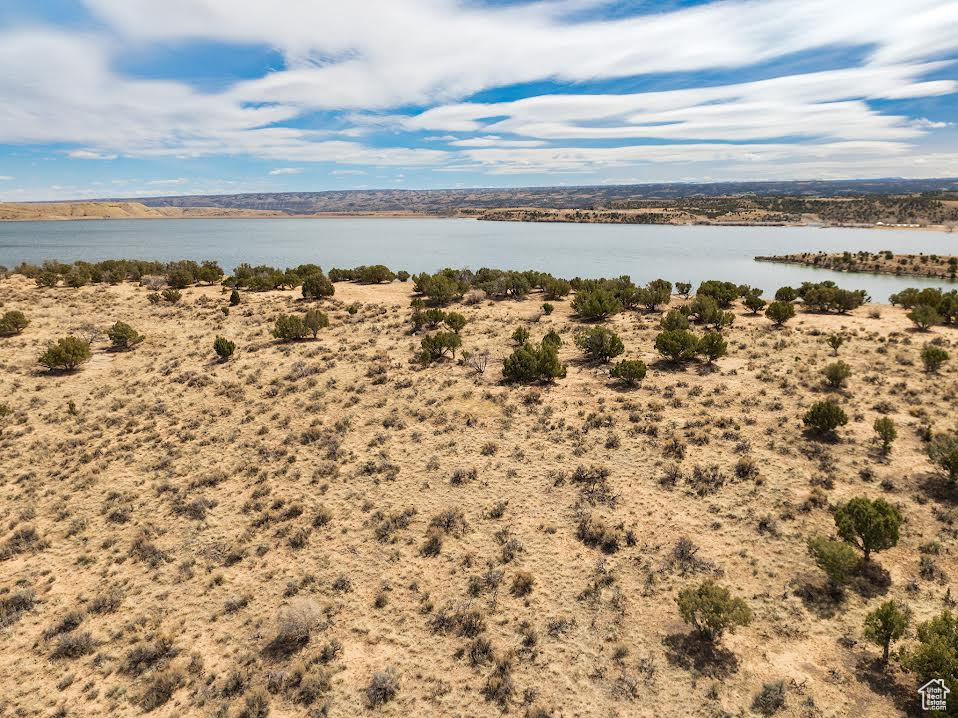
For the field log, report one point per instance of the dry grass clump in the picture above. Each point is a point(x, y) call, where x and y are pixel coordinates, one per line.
point(295, 624)
point(383, 687)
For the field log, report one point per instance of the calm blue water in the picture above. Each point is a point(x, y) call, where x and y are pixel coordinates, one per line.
point(644, 252)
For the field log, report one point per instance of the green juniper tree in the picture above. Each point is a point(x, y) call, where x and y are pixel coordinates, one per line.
point(871, 525)
point(885, 624)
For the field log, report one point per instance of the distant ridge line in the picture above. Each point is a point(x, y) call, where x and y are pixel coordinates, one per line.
point(448, 201)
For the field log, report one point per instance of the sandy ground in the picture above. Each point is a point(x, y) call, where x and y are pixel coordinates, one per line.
point(118, 210)
point(176, 498)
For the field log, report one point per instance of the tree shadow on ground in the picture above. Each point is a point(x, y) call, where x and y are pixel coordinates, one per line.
point(706, 368)
point(870, 580)
point(699, 655)
point(883, 680)
point(939, 488)
point(819, 599)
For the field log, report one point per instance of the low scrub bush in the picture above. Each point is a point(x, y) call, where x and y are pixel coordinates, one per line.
point(600, 344)
point(678, 345)
point(943, 452)
point(435, 346)
point(824, 417)
point(224, 348)
point(629, 371)
point(66, 354)
point(123, 337)
point(780, 312)
point(933, 357)
point(529, 363)
point(712, 610)
point(13, 322)
point(290, 328)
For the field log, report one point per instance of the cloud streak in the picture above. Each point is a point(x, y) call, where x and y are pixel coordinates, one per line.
point(390, 82)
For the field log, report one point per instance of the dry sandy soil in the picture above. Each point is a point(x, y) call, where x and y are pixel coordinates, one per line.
point(119, 210)
point(186, 510)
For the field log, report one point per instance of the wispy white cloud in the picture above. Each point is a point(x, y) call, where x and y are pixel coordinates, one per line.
point(179, 181)
point(421, 51)
point(90, 155)
point(433, 53)
point(822, 104)
point(7, 178)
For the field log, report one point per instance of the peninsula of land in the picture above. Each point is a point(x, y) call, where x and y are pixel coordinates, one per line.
point(917, 265)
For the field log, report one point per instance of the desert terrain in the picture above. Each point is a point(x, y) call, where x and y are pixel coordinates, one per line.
point(314, 525)
point(13, 211)
point(901, 204)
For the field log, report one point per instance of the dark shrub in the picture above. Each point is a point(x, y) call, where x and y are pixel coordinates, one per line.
point(780, 312)
point(653, 294)
point(315, 320)
point(837, 559)
point(836, 374)
point(724, 293)
point(47, 279)
point(924, 317)
point(786, 294)
point(224, 348)
point(712, 346)
point(933, 357)
point(455, 321)
point(600, 344)
point(871, 525)
point(936, 655)
point(885, 624)
point(629, 371)
point(754, 303)
point(316, 286)
point(529, 363)
point(824, 417)
point(74, 644)
point(13, 322)
point(374, 274)
point(943, 451)
point(67, 354)
point(595, 304)
point(678, 345)
point(712, 610)
point(827, 297)
point(435, 346)
point(123, 336)
point(553, 288)
point(770, 699)
point(290, 328)
point(674, 320)
point(179, 278)
point(885, 429)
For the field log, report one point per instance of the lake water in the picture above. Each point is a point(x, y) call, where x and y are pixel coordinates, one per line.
point(645, 252)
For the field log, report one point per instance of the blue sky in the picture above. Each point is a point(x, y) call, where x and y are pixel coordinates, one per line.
point(128, 98)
